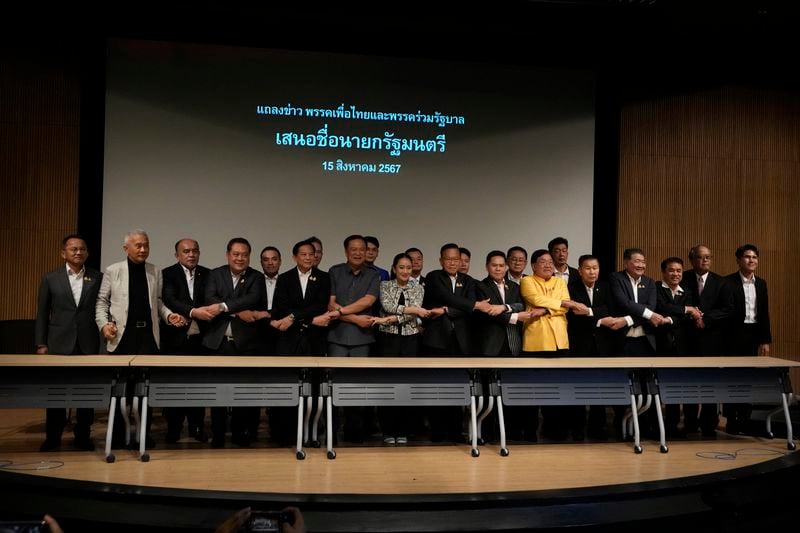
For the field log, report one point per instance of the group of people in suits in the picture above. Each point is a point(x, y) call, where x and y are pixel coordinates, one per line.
point(357, 309)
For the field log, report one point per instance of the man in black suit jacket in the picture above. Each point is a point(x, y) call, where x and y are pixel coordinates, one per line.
point(634, 297)
point(417, 262)
point(585, 337)
point(65, 325)
point(183, 290)
point(712, 296)
point(501, 335)
point(749, 331)
point(449, 333)
point(301, 298)
point(271, 264)
point(674, 303)
point(559, 251)
point(301, 295)
point(517, 261)
point(233, 290)
point(451, 296)
point(591, 335)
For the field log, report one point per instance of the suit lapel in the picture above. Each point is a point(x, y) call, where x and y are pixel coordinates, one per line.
point(494, 290)
point(88, 281)
point(63, 278)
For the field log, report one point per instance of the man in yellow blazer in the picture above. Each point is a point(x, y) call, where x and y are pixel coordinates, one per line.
point(548, 332)
point(547, 335)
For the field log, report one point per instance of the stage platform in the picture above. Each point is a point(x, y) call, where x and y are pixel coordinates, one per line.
point(726, 484)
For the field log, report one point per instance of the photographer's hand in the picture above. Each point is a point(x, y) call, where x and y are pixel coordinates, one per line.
point(52, 524)
point(235, 522)
point(299, 525)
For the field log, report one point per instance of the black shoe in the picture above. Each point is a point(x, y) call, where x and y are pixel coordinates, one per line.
point(85, 444)
point(709, 434)
point(172, 438)
point(49, 445)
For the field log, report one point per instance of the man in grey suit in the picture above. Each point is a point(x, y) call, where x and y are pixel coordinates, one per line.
point(129, 306)
point(65, 325)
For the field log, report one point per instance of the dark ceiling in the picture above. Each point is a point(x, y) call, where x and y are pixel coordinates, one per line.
point(615, 33)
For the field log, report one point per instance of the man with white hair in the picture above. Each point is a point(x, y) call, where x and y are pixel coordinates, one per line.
point(129, 306)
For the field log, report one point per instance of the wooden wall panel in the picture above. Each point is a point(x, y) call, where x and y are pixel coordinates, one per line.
point(39, 148)
point(720, 167)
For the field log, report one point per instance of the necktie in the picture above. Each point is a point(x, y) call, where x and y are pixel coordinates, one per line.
point(700, 285)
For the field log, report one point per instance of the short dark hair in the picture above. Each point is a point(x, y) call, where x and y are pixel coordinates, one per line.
point(298, 245)
point(494, 253)
point(465, 251)
point(745, 248)
point(78, 236)
point(555, 242)
point(669, 260)
point(314, 239)
point(179, 241)
point(628, 253)
point(369, 239)
point(268, 248)
point(412, 249)
point(448, 246)
point(587, 257)
point(538, 253)
point(239, 240)
point(517, 249)
point(354, 238)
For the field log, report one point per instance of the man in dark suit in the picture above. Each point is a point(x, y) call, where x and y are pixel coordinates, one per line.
point(455, 293)
point(749, 331)
point(301, 298)
point(417, 262)
point(501, 335)
point(452, 296)
point(517, 261)
point(674, 303)
point(634, 297)
point(231, 291)
point(712, 296)
point(591, 334)
point(184, 289)
point(65, 325)
point(271, 265)
point(559, 250)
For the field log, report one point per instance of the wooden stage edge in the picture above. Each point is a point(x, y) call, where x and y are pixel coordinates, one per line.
point(378, 488)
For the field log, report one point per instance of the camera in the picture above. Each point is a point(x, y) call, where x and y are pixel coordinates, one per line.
point(26, 526)
point(267, 521)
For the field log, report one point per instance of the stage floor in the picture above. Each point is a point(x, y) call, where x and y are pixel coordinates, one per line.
point(415, 469)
